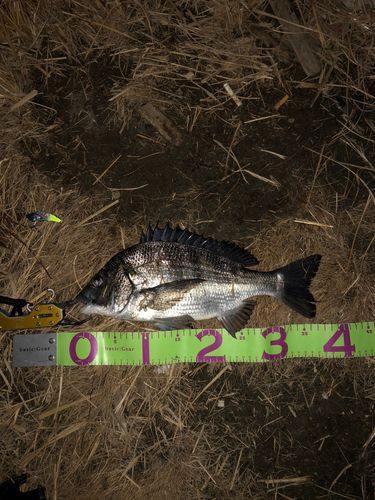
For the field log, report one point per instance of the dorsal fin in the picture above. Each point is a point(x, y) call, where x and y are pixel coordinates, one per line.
point(183, 236)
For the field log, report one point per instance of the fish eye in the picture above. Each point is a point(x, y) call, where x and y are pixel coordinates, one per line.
point(98, 281)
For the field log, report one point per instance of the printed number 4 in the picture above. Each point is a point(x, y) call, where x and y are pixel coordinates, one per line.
point(347, 348)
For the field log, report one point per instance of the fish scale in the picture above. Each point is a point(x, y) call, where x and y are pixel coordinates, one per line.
point(174, 277)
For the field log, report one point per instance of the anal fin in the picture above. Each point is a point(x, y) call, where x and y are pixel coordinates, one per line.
point(237, 318)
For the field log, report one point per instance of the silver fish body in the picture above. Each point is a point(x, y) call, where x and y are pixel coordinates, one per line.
point(174, 277)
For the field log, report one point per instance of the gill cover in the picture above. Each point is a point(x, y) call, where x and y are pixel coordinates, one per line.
point(108, 292)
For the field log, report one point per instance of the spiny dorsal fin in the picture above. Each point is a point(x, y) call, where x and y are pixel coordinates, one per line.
point(185, 237)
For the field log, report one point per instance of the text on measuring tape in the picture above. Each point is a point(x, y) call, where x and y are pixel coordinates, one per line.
point(202, 346)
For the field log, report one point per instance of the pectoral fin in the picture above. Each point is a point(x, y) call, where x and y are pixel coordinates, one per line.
point(167, 295)
point(237, 318)
point(171, 324)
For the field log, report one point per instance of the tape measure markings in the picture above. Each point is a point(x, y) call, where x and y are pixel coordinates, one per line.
point(201, 346)
point(252, 345)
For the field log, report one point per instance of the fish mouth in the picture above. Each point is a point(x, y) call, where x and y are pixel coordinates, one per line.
point(97, 309)
point(83, 299)
point(86, 300)
point(89, 295)
point(94, 305)
point(93, 309)
point(84, 309)
point(88, 309)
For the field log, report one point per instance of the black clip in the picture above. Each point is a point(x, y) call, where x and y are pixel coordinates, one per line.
point(70, 322)
point(17, 304)
point(10, 490)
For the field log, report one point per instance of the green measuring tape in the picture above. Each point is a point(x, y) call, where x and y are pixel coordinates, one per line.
point(201, 346)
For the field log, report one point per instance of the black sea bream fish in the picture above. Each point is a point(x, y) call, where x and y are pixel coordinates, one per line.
point(173, 278)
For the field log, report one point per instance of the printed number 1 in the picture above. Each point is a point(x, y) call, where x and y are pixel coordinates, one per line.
point(145, 348)
point(347, 348)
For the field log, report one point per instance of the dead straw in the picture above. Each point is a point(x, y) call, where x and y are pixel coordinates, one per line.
point(356, 231)
point(98, 212)
point(114, 432)
point(241, 170)
point(24, 100)
point(223, 370)
point(106, 170)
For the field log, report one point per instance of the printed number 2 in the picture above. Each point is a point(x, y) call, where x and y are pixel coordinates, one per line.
point(280, 342)
point(347, 348)
point(201, 356)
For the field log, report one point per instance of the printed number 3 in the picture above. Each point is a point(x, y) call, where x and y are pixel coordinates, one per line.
point(280, 342)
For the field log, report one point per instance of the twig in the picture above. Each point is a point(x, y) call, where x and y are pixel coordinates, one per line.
point(30, 250)
point(236, 470)
point(278, 155)
point(128, 189)
point(264, 118)
point(356, 232)
point(335, 492)
point(370, 438)
point(295, 480)
point(230, 147)
point(211, 382)
point(337, 478)
point(242, 169)
point(315, 175)
point(206, 471)
point(311, 223)
point(24, 100)
point(106, 170)
point(346, 165)
point(98, 212)
point(198, 438)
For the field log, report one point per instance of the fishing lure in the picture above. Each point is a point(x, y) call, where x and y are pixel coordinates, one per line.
point(42, 216)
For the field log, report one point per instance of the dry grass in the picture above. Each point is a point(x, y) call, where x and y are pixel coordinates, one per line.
point(348, 294)
point(113, 432)
point(200, 46)
point(108, 432)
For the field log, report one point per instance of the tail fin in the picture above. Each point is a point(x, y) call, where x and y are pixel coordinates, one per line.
point(293, 289)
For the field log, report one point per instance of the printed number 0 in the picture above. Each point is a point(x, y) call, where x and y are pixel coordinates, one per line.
point(93, 348)
point(201, 356)
point(280, 342)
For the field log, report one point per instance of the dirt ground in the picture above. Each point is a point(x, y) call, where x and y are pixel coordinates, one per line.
point(297, 429)
point(152, 177)
point(322, 420)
